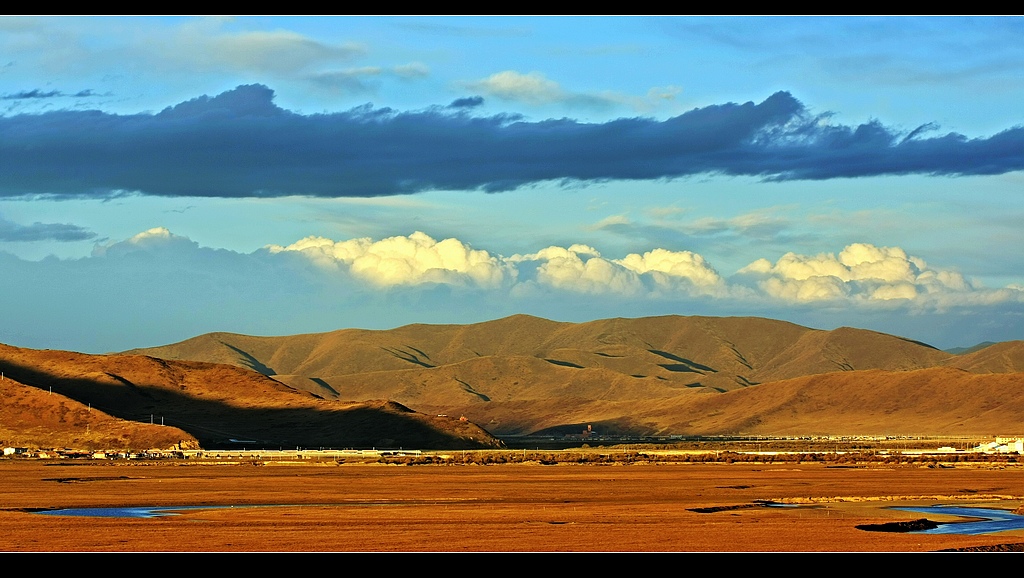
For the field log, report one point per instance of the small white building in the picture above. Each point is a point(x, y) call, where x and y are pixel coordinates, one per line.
point(1003, 445)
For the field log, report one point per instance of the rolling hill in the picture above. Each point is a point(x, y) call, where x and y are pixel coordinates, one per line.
point(204, 402)
point(718, 353)
point(1006, 357)
point(38, 418)
point(655, 375)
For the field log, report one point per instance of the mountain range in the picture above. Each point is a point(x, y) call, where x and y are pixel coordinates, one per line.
point(465, 386)
point(656, 375)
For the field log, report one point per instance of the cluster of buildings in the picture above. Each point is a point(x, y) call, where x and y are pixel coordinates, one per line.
point(156, 454)
point(1003, 445)
point(65, 453)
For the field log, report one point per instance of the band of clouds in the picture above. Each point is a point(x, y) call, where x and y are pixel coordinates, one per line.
point(450, 272)
point(182, 289)
point(197, 47)
point(862, 273)
point(356, 80)
point(277, 51)
point(535, 89)
point(41, 94)
point(61, 232)
point(240, 144)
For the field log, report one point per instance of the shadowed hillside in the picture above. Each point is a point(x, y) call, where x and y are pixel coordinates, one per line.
point(33, 417)
point(216, 402)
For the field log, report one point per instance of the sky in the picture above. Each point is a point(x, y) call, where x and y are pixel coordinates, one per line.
point(164, 177)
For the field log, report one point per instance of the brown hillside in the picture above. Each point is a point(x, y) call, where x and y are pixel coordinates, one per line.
point(849, 349)
point(523, 374)
point(217, 402)
point(34, 418)
point(519, 375)
point(938, 401)
point(722, 353)
point(1006, 357)
point(511, 395)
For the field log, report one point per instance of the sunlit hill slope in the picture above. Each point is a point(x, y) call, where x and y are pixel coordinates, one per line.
point(197, 401)
point(656, 375)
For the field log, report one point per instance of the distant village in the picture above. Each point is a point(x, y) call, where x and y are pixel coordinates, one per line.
point(999, 446)
point(242, 454)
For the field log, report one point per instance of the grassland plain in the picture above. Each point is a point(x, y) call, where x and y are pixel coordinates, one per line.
point(566, 507)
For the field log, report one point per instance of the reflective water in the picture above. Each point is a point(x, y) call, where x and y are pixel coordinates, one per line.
point(984, 520)
point(131, 512)
point(991, 520)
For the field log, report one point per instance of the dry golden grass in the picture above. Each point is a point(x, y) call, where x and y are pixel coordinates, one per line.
point(489, 508)
point(655, 375)
point(213, 402)
point(32, 417)
point(723, 352)
point(1006, 357)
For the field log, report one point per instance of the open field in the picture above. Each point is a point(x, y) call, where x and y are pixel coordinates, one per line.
point(509, 507)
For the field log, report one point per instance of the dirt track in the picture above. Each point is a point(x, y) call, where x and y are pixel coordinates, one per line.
point(492, 508)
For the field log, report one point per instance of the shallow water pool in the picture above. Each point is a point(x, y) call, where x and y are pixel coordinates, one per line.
point(991, 520)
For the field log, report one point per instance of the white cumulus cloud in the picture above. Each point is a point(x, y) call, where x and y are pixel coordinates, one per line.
point(861, 274)
point(154, 238)
point(402, 260)
point(669, 268)
point(582, 269)
point(866, 273)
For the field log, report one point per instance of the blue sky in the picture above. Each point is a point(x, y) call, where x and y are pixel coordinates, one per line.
point(165, 177)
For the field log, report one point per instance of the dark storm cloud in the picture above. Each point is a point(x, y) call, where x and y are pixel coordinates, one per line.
point(467, 102)
point(10, 231)
point(240, 144)
point(36, 93)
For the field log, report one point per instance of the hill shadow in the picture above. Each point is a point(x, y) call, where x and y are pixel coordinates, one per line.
point(469, 389)
point(410, 357)
point(214, 422)
point(683, 364)
point(325, 385)
point(250, 361)
point(563, 363)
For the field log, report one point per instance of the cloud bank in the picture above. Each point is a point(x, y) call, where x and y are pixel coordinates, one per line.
point(11, 231)
point(535, 89)
point(418, 259)
point(158, 287)
point(862, 274)
point(240, 144)
point(38, 94)
point(413, 260)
